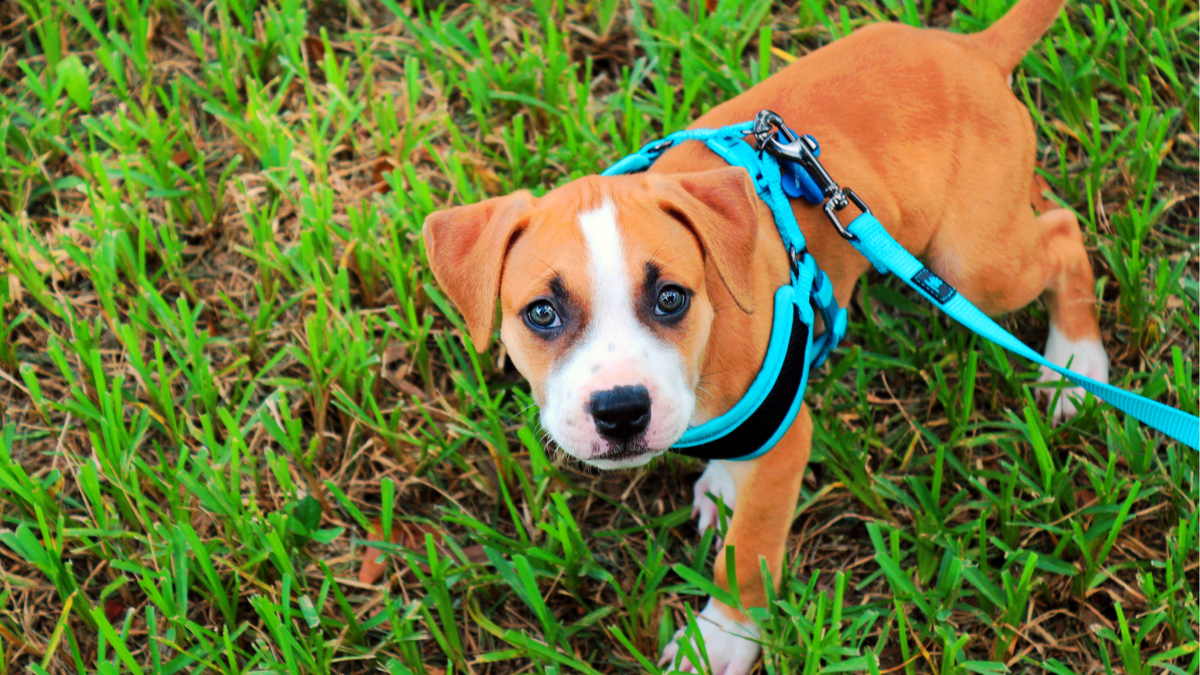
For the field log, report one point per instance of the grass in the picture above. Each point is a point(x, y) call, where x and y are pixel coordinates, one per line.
point(224, 367)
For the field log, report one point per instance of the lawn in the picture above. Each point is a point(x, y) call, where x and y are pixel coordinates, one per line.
point(224, 366)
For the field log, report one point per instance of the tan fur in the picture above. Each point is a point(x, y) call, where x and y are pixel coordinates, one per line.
point(923, 126)
point(770, 485)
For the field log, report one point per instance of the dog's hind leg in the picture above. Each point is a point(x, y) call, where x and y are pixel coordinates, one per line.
point(1074, 329)
point(1003, 269)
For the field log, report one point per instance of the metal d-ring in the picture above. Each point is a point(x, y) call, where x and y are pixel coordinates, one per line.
point(661, 146)
point(796, 258)
point(832, 208)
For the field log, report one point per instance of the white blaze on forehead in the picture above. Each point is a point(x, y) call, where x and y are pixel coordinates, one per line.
point(615, 350)
point(609, 277)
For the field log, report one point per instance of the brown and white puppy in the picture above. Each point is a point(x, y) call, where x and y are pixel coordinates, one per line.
point(638, 306)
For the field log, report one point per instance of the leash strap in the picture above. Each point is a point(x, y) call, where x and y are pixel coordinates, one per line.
point(785, 165)
point(875, 244)
point(887, 255)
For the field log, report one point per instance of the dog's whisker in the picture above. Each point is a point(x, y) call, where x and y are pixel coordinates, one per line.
point(519, 412)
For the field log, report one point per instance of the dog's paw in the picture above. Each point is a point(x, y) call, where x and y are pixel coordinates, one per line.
point(716, 480)
point(729, 644)
point(1087, 357)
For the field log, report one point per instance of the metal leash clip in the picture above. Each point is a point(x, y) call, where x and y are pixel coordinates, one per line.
point(768, 126)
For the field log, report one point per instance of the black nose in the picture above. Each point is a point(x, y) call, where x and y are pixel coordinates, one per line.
point(621, 412)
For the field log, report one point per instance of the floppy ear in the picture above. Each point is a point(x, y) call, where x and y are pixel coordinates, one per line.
point(721, 207)
point(466, 248)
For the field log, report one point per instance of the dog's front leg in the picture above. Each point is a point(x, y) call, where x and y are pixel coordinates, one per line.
point(766, 492)
point(717, 484)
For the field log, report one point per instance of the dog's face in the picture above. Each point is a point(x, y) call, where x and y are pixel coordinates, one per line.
point(605, 311)
point(605, 297)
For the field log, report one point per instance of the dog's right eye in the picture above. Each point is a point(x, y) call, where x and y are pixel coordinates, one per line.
point(542, 315)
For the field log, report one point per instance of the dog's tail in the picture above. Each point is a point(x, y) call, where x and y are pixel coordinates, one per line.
point(1006, 41)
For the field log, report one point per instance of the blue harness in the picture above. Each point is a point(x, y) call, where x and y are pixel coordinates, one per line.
point(784, 165)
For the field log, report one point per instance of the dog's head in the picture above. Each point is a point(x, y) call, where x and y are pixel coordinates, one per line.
point(606, 296)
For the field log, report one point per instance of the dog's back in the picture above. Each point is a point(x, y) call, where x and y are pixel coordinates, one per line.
point(921, 123)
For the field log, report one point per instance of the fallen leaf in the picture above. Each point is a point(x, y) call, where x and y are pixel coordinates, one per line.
point(383, 165)
point(373, 564)
point(315, 48)
point(475, 553)
point(408, 535)
point(113, 609)
point(1084, 498)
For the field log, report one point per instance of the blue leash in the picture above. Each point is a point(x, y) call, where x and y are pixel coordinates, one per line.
point(785, 165)
point(877, 246)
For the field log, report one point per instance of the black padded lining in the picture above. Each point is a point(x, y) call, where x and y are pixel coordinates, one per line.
point(766, 420)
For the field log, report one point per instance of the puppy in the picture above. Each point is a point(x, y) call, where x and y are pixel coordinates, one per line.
point(638, 306)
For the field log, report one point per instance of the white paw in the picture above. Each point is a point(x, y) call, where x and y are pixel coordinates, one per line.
point(730, 645)
point(1087, 357)
point(717, 480)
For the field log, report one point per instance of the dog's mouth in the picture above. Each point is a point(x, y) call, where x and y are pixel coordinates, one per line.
point(621, 455)
point(621, 451)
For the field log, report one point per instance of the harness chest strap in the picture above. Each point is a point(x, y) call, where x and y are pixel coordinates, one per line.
point(765, 412)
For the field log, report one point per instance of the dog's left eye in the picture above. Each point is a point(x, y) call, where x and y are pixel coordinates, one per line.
point(671, 300)
point(542, 315)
